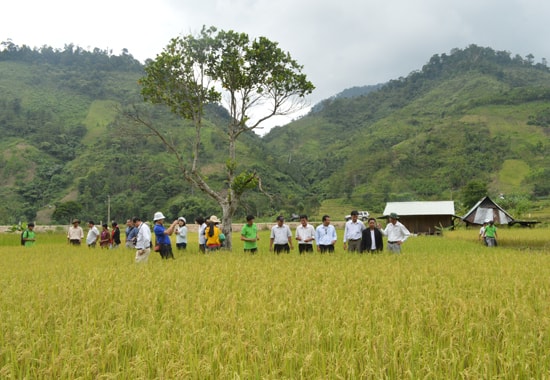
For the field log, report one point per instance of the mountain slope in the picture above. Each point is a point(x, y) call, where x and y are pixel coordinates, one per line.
point(472, 115)
point(67, 150)
point(465, 116)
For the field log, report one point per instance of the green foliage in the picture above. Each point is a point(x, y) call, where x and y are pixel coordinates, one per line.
point(472, 192)
point(516, 204)
point(474, 115)
point(66, 211)
point(190, 73)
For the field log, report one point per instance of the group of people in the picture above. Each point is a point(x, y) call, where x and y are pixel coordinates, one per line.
point(357, 237)
point(139, 236)
point(211, 237)
point(488, 233)
point(106, 238)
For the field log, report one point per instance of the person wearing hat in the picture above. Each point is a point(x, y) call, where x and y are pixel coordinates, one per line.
point(281, 237)
point(181, 234)
point(212, 234)
point(353, 232)
point(75, 233)
point(93, 235)
point(396, 232)
point(249, 235)
point(29, 236)
point(143, 240)
point(162, 235)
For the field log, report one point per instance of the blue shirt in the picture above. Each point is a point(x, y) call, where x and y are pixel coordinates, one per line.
point(325, 235)
point(131, 232)
point(159, 233)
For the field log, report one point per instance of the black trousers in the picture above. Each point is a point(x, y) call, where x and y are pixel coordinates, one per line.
point(166, 251)
point(278, 248)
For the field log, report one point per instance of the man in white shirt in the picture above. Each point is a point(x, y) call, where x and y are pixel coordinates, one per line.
point(305, 234)
point(93, 235)
point(281, 237)
point(75, 233)
point(396, 232)
point(325, 236)
point(143, 241)
point(353, 232)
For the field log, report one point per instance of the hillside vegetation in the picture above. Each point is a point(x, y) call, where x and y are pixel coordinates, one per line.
point(471, 115)
point(474, 115)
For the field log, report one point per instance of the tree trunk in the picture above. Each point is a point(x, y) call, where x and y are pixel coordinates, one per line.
point(227, 218)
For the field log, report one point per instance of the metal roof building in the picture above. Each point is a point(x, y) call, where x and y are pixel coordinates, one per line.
point(423, 217)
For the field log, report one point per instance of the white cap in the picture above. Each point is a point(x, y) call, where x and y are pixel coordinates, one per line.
point(182, 219)
point(158, 216)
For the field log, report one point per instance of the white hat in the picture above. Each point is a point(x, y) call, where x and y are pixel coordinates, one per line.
point(214, 219)
point(182, 219)
point(158, 216)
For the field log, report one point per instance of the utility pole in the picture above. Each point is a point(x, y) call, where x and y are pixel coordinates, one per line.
point(108, 209)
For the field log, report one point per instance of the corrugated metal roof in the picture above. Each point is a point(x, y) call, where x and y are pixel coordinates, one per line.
point(486, 209)
point(421, 208)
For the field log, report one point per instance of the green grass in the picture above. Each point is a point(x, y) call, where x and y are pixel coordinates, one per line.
point(100, 114)
point(511, 175)
point(446, 308)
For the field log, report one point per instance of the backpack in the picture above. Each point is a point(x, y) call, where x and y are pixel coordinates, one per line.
point(23, 237)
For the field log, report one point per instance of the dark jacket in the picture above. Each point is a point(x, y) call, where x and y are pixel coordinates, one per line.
point(116, 235)
point(366, 242)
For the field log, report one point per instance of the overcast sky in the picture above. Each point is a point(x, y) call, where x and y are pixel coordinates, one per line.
point(340, 43)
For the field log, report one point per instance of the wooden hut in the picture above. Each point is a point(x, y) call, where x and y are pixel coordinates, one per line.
point(423, 217)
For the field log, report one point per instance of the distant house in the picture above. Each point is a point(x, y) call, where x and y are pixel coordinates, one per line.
point(423, 217)
point(486, 209)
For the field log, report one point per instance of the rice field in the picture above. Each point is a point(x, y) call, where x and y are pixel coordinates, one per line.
point(446, 308)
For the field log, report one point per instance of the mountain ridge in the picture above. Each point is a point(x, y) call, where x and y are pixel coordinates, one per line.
point(473, 115)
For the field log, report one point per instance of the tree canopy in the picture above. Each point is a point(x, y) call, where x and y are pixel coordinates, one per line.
point(228, 68)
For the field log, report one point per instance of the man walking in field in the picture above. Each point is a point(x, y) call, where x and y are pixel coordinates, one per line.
point(75, 233)
point(249, 235)
point(325, 236)
point(281, 237)
point(353, 232)
point(29, 236)
point(491, 234)
point(143, 241)
point(305, 234)
point(396, 232)
point(372, 238)
point(93, 235)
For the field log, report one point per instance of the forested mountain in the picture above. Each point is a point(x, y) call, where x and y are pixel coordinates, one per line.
point(67, 150)
point(473, 115)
